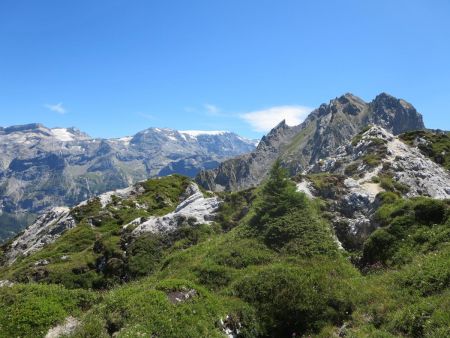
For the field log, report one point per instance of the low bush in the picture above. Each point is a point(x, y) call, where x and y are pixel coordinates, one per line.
point(296, 300)
point(410, 227)
point(31, 310)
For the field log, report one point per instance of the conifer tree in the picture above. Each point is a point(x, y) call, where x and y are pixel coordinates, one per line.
point(279, 195)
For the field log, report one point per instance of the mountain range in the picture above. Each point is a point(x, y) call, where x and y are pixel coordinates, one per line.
point(338, 227)
point(44, 167)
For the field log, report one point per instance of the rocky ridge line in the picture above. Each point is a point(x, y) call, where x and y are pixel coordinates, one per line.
point(323, 131)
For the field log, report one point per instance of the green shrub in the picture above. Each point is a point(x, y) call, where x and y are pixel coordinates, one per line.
point(328, 185)
point(187, 235)
point(378, 247)
point(300, 232)
point(241, 253)
point(296, 300)
point(144, 254)
point(213, 276)
point(91, 208)
point(375, 179)
point(31, 310)
point(234, 208)
point(427, 317)
point(389, 184)
point(428, 211)
point(387, 197)
point(410, 227)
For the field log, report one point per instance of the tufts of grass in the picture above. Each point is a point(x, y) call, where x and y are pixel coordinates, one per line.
point(30, 310)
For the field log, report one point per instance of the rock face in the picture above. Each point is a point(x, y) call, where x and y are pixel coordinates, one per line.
point(419, 173)
point(65, 329)
point(45, 230)
point(324, 130)
point(377, 152)
point(195, 208)
point(374, 161)
point(41, 167)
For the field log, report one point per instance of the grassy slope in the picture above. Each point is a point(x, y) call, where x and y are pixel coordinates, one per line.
point(269, 290)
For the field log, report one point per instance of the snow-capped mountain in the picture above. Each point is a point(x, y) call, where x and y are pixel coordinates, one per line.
point(43, 167)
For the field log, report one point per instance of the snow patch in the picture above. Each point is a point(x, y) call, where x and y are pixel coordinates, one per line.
point(62, 134)
point(126, 140)
point(195, 133)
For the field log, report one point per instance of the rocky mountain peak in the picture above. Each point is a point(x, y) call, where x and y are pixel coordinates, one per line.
point(279, 128)
point(327, 128)
point(275, 134)
point(349, 97)
point(281, 125)
point(395, 114)
point(348, 104)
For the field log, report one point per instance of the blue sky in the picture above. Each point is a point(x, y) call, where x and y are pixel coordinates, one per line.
point(112, 68)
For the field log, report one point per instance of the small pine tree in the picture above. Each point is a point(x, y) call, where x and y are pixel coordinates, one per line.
point(279, 195)
point(287, 221)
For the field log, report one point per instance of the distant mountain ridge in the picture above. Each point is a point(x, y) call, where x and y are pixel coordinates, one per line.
point(323, 131)
point(44, 167)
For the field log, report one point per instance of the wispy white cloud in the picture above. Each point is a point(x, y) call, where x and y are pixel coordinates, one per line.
point(211, 109)
point(57, 108)
point(266, 119)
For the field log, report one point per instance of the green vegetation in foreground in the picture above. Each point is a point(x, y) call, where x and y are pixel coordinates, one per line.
point(406, 289)
point(408, 227)
point(269, 268)
point(435, 145)
point(29, 310)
